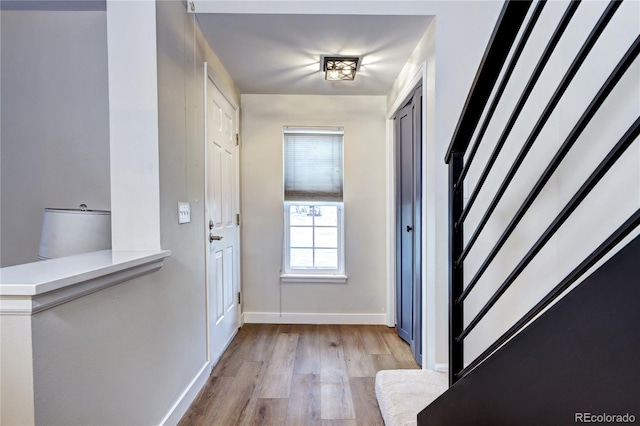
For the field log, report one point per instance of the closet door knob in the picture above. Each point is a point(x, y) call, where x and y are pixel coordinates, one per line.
point(409, 229)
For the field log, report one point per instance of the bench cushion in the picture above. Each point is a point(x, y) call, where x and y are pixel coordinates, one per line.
point(402, 394)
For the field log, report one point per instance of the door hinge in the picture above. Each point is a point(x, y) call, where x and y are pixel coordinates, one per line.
point(238, 219)
point(237, 139)
point(239, 299)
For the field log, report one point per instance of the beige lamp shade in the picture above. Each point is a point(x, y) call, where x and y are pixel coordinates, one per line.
point(66, 232)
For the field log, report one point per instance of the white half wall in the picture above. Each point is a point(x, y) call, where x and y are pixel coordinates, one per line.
point(16, 366)
point(54, 122)
point(363, 119)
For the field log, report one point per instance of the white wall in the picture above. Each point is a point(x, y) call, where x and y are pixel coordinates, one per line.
point(133, 125)
point(607, 207)
point(55, 122)
point(363, 119)
point(452, 48)
point(135, 353)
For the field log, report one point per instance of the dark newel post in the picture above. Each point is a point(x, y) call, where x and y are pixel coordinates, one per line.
point(455, 272)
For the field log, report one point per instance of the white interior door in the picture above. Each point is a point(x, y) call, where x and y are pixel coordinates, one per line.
point(221, 232)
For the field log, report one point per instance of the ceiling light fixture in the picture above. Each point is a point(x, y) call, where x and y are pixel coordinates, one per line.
point(340, 68)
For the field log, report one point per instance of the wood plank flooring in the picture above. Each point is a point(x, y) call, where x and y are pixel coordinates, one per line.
point(320, 375)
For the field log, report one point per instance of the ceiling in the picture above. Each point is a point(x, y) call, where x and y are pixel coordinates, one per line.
point(280, 53)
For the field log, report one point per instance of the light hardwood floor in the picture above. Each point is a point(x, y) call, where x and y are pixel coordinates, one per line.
point(299, 375)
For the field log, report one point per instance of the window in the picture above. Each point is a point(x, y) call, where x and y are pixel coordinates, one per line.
point(313, 205)
point(313, 237)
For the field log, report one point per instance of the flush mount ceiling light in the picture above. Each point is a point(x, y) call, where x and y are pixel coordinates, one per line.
point(340, 68)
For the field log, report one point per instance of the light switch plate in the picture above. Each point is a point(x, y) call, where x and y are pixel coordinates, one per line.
point(184, 212)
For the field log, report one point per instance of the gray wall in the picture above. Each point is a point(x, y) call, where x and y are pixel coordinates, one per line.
point(55, 121)
point(127, 354)
point(363, 119)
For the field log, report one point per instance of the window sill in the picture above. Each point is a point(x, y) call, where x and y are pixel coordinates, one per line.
point(312, 278)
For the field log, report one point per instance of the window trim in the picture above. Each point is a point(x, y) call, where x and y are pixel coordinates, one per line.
point(313, 275)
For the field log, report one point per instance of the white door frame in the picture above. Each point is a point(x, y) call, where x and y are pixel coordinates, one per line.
point(428, 285)
point(209, 75)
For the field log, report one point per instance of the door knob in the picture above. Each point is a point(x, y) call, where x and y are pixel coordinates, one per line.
point(409, 229)
point(213, 238)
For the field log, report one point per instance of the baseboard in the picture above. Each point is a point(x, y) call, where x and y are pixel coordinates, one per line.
point(183, 403)
point(298, 318)
point(443, 368)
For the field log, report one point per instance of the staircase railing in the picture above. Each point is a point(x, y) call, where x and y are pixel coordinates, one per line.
point(512, 36)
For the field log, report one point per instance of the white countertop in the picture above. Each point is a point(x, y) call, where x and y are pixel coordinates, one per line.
point(32, 279)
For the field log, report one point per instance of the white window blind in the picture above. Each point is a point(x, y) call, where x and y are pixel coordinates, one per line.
point(313, 164)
